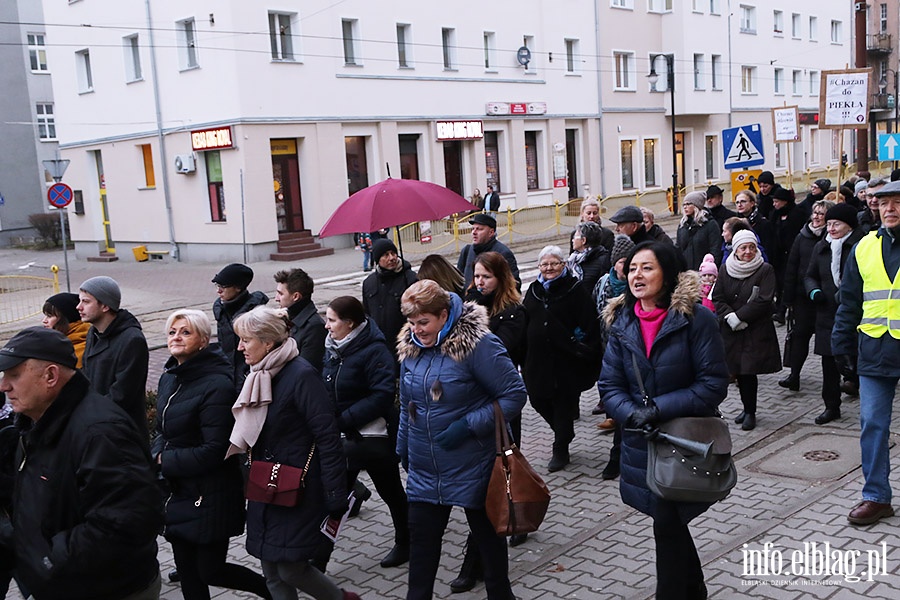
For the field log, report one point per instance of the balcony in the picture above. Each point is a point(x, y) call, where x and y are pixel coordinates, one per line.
point(878, 43)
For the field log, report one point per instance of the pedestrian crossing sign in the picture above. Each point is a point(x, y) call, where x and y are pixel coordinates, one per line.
point(743, 146)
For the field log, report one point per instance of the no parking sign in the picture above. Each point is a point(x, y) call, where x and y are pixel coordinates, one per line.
point(59, 195)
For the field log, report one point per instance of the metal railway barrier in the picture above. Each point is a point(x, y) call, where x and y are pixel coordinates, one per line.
point(23, 296)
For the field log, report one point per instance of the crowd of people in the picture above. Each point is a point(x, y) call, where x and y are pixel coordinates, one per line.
point(407, 375)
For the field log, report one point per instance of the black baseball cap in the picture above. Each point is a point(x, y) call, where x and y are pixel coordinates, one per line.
point(39, 343)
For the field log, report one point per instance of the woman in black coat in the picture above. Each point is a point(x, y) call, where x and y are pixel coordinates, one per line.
point(206, 504)
point(802, 310)
point(660, 323)
point(589, 260)
point(787, 219)
point(564, 349)
point(743, 296)
point(698, 233)
point(823, 278)
point(297, 428)
point(359, 376)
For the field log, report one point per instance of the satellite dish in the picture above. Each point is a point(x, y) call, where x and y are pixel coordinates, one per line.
point(523, 55)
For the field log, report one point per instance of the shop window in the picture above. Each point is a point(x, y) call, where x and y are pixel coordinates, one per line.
point(214, 184)
point(492, 159)
point(626, 150)
point(531, 160)
point(650, 162)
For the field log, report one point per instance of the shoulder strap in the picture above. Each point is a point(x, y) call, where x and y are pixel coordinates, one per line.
point(648, 401)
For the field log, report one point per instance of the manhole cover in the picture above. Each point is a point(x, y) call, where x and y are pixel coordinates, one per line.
point(821, 455)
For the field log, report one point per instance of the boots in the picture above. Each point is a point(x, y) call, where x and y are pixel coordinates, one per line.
point(791, 382)
point(560, 457)
point(471, 571)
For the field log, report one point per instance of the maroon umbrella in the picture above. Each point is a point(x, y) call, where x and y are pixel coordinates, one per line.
point(394, 202)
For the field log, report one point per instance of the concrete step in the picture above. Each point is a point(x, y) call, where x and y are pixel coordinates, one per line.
point(296, 245)
point(105, 257)
point(304, 234)
point(312, 253)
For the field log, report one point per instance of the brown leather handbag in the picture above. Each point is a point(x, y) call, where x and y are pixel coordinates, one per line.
point(517, 497)
point(276, 483)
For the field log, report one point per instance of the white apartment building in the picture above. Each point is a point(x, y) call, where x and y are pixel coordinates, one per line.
point(210, 127)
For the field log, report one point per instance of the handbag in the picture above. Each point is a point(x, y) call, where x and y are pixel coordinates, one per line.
point(276, 483)
point(688, 458)
point(517, 497)
point(788, 338)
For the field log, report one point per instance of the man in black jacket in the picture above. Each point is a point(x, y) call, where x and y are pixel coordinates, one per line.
point(381, 291)
point(115, 354)
point(714, 197)
point(293, 291)
point(765, 200)
point(484, 239)
point(629, 221)
point(234, 300)
point(492, 200)
point(86, 508)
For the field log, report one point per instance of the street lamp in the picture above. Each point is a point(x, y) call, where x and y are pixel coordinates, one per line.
point(653, 77)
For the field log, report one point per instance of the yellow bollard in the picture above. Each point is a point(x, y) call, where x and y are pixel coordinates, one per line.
point(55, 270)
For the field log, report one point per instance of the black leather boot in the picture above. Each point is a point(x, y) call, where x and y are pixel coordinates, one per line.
point(471, 571)
point(559, 459)
point(791, 382)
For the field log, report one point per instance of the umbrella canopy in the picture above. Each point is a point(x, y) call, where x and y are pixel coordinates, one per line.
point(394, 202)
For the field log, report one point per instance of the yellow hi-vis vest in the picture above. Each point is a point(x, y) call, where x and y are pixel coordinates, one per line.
point(881, 296)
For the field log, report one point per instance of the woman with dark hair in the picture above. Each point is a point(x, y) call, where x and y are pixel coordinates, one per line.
point(590, 258)
point(60, 314)
point(744, 299)
point(660, 325)
point(453, 370)
point(437, 268)
point(698, 233)
point(359, 376)
point(206, 504)
point(284, 415)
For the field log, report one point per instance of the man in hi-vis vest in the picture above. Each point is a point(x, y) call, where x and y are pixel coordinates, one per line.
point(866, 339)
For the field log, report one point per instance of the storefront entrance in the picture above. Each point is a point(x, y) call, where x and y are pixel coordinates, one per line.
point(453, 167)
point(286, 177)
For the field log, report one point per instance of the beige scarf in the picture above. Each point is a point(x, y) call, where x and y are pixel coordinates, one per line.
point(252, 404)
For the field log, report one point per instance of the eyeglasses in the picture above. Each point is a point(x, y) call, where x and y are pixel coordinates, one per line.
point(549, 265)
point(818, 214)
point(221, 287)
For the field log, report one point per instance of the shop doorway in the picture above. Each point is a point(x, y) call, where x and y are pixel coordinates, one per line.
point(453, 167)
point(679, 160)
point(409, 156)
point(357, 163)
point(286, 182)
point(572, 162)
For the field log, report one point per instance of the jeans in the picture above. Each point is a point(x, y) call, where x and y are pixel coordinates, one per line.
point(679, 574)
point(427, 523)
point(876, 398)
point(203, 565)
point(367, 258)
point(284, 579)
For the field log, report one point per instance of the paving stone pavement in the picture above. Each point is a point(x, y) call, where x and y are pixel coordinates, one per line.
point(591, 545)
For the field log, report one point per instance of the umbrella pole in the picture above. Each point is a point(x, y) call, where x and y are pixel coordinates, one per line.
point(399, 241)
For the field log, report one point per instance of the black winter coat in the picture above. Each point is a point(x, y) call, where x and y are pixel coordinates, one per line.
point(787, 222)
point(194, 422)
point(381, 292)
point(225, 313)
point(868, 220)
point(755, 349)
point(818, 277)
point(466, 262)
point(607, 239)
point(510, 325)
point(685, 375)
point(696, 241)
point(766, 202)
point(86, 508)
point(721, 214)
point(116, 363)
point(795, 271)
point(300, 413)
point(308, 331)
point(764, 231)
point(556, 364)
point(595, 265)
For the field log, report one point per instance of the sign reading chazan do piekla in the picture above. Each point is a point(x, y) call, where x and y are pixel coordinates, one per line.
point(844, 99)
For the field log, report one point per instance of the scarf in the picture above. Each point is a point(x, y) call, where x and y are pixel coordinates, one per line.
point(651, 322)
point(574, 263)
point(337, 346)
point(742, 270)
point(836, 250)
point(252, 404)
point(546, 282)
point(615, 284)
point(817, 231)
point(456, 309)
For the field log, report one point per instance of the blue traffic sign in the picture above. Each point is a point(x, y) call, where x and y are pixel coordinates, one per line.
point(59, 195)
point(889, 146)
point(743, 146)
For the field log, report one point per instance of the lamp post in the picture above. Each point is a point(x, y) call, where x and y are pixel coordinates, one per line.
point(653, 77)
point(57, 168)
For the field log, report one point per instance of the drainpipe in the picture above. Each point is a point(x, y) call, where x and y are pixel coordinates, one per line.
point(163, 157)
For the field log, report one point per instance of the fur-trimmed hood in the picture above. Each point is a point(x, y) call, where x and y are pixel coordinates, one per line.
point(469, 329)
point(688, 292)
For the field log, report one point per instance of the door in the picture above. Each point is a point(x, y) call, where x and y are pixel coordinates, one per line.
point(453, 167)
point(679, 160)
point(104, 208)
point(571, 163)
point(286, 185)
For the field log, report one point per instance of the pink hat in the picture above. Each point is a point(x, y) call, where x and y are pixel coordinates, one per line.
point(708, 266)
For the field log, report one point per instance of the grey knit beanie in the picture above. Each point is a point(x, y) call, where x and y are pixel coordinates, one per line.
point(104, 289)
point(621, 247)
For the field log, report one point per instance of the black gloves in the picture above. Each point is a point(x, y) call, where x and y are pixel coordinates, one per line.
point(817, 296)
point(643, 416)
point(337, 514)
point(846, 364)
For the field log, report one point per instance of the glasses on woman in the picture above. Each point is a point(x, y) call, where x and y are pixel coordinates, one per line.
point(549, 265)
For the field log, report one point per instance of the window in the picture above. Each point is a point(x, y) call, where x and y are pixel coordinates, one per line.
point(214, 185)
point(883, 18)
point(490, 50)
point(409, 155)
point(711, 156)
point(349, 37)
point(403, 45)
point(883, 72)
point(572, 59)
point(492, 159)
point(837, 33)
point(448, 48)
point(357, 163)
point(795, 26)
point(813, 29)
point(715, 70)
point(714, 7)
point(622, 3)
point(697, 6)
point(280, 36)
point(45, 121)
point(147, 156)
point(795, 82)
point(778, 22)
point(699, 84)
point(813, 83)
point(624, 70)
point(814, 146)
point(531, 160)
point(83, 66)
point(37, 53)
point(650, 162)
point(748, 80)
point(187, 44)
point(748, 19)
point(835, 145)
point(659, 6)
point(132, 49)
point(627, 153)
point(779, 80)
